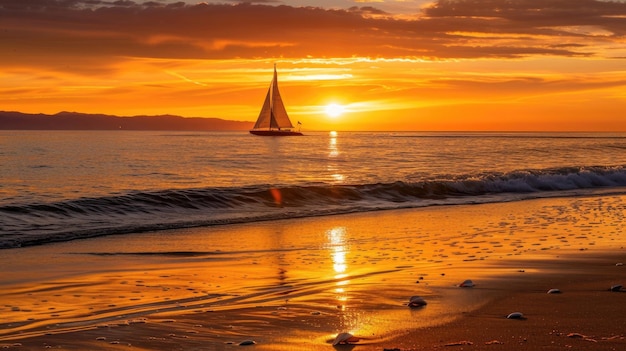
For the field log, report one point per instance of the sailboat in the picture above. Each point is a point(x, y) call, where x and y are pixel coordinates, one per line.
point(273, 119)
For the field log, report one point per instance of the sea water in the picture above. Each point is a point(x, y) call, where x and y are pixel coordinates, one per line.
point(65, 185)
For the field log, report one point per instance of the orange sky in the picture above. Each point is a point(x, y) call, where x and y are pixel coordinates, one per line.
point(428, 65)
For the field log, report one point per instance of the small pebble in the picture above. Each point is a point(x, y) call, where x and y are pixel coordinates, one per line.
point(467, 284)
point(515, 315)
point(576, 335)
point(417, 301)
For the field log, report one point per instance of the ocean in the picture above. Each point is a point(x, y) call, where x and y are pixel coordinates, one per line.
point(65, 185)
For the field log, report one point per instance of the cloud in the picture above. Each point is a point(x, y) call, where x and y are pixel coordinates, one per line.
point(530, 16)
point(91, 35)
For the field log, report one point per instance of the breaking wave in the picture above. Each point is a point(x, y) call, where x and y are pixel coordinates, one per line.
point(40, 223)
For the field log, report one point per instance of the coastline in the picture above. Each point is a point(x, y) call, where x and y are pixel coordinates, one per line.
point(296, 284)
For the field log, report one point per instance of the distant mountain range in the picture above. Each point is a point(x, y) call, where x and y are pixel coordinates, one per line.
point(83, 121)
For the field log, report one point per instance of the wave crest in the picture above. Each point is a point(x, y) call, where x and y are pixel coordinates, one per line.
point(38, 223)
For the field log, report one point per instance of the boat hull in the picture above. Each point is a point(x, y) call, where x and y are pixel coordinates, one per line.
point(275, 133)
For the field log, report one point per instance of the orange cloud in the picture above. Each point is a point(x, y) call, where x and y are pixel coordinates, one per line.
point(446, 29)
point(412, 71)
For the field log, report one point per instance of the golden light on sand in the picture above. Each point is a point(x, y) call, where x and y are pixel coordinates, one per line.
point(336, 237)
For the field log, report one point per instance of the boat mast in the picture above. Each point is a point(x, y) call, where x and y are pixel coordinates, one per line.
point(279, 113)
point(273, 122)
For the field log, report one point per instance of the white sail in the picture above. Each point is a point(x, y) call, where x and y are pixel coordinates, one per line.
point(273, 115)
point(265, 117)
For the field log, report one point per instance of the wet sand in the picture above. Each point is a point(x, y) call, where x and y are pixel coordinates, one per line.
point(294, 285)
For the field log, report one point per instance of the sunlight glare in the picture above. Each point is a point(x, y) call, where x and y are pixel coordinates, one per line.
point(334, 110)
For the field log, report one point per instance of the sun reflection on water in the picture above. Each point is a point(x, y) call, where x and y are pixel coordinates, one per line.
point(332, 145)
point(336, 239)
point(333, 153)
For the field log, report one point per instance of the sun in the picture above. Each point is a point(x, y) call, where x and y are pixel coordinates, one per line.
point(334, 110)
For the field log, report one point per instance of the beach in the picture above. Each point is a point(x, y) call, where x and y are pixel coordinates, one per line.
point(296, 284)
point(305, 175)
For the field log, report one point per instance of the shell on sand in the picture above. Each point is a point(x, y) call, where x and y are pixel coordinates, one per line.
point(515, 315)
point(576, 335)
point(247, 342)
point(554, 291)
point(617, 287)
point(467, 284)
point(345, 338)
point(417, 301)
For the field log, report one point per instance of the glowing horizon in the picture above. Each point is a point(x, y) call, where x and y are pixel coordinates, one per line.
point(447, 65)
